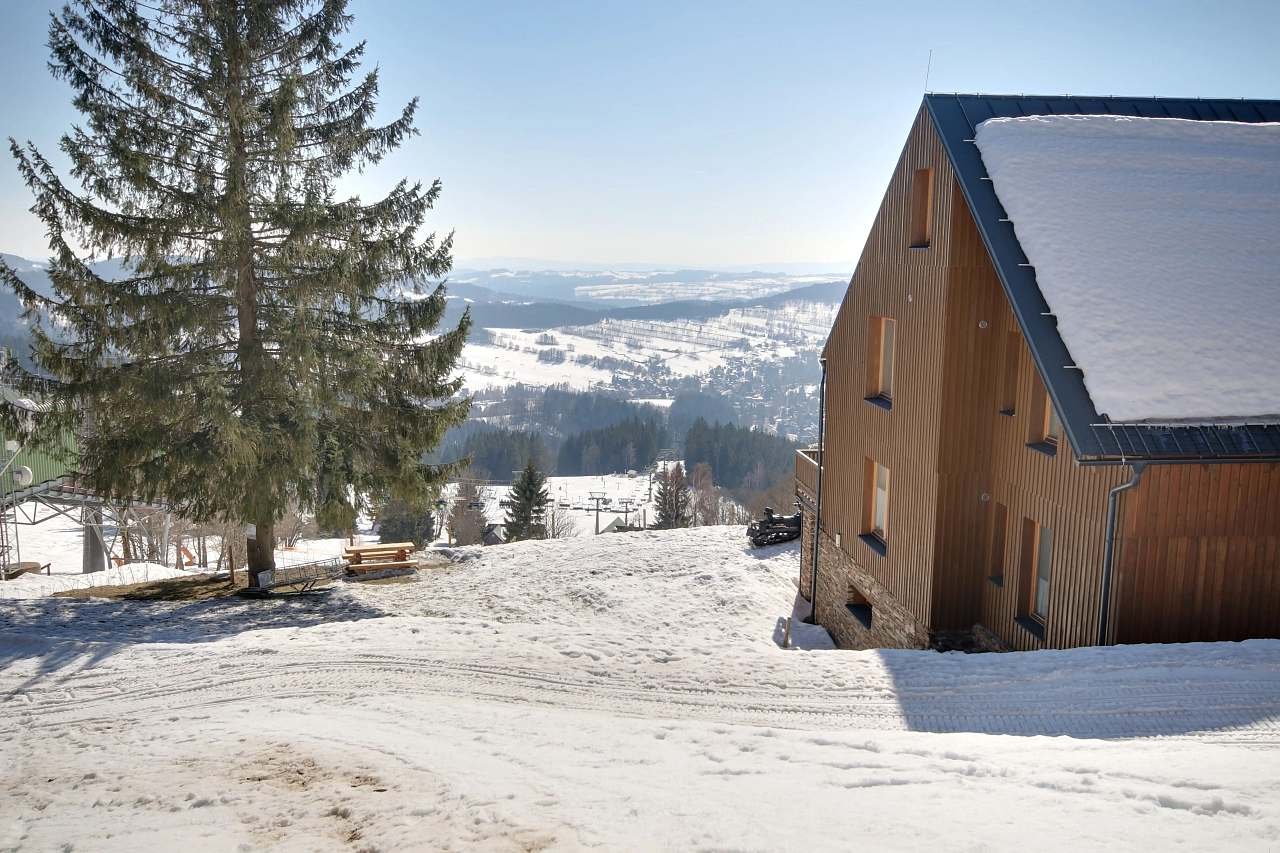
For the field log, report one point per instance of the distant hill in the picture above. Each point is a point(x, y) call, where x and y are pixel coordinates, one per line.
point(510, 313)
point(545, 299)
point(624, 288)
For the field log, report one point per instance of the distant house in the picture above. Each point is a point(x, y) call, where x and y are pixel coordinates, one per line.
point(1052, 391)
point(494, 534)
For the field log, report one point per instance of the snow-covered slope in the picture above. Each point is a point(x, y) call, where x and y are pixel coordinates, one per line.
point(617, 692)
point(1156, 243)
point(571, 496)
point(590, 356)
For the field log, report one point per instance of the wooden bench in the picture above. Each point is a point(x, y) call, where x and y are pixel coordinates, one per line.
point(380, 557)
point(13, 570)
point(303, 577)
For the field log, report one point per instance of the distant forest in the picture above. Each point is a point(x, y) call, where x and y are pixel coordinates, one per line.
point(569, 433)
point(741, 459)
point(632, 444)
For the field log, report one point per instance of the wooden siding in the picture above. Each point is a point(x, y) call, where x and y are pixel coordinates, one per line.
point(1199, 555)
point(988, 455)
point(807, 470)
point(908, 285)
point(1196, 540)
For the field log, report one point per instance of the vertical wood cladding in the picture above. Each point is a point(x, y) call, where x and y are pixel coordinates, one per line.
point(908, 285)
point(988, 454)
point(1199, 550)
point(1198, 556)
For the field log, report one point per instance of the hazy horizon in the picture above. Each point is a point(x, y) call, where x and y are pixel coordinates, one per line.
point(700, 136)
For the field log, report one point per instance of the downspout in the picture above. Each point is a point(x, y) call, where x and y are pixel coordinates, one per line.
point(1109, 552)
point(817, 507)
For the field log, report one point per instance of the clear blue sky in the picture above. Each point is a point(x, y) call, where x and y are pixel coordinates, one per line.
point(699, 133)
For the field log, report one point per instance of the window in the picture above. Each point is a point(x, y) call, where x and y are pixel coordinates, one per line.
point(1046, 429)
point(1036, 569)
point(859, 606)
point(881, 335)
point(1009, 385)
point(995, 544)
point(876, 509)
point(921, 208)
point(1052, 426)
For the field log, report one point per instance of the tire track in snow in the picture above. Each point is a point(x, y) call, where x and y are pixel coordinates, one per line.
point(370, 678)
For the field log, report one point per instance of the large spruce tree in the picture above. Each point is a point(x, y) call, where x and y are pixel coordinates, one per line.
point(272, 338)
point(528, 501)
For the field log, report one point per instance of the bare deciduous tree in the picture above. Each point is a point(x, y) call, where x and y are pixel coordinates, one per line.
point(466, 518)
point(559, 524)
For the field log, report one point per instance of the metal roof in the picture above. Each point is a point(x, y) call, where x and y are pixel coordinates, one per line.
point(1092, 438)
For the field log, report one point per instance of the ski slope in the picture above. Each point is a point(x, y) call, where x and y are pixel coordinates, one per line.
point(619, 692)
point(571, 496)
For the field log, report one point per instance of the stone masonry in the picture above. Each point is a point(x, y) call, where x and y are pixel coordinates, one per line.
point(891, 626)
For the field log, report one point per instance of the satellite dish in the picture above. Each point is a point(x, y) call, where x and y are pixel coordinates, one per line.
point(22, 475)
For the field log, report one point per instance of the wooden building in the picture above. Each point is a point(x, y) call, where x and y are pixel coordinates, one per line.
point(968, 493)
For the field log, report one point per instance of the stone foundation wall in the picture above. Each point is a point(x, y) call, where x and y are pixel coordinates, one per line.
point(891, 625)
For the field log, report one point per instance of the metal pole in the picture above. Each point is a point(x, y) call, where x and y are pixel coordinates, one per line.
point(1109, 553)
point(817, 508)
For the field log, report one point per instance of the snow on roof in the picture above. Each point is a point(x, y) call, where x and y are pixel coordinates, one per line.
point(1156, 243)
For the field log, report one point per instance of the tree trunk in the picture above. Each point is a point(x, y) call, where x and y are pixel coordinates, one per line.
point(261, 550)
point(126, 543)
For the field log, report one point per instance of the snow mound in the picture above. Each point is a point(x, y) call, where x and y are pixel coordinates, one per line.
point(1155, 243)
point(37, 586)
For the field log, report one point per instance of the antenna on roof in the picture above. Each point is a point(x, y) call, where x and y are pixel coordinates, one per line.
point(927, 71)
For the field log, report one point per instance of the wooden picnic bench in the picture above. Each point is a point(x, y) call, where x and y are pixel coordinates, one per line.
point(13, 570)
point(380, 557)
point(302, 577)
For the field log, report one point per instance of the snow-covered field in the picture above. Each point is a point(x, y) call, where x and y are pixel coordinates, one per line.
point(617, 692)
point(682, 347)
point(720, 287)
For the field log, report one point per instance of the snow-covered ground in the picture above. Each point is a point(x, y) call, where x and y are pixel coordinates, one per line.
point(57, 540)
point(31, 585)
point(622, 692)
point(1154, 241)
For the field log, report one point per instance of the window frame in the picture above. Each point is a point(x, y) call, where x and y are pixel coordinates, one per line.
point(1036, 538)
point(881, 329)
point(1043, 436)
point(920, 212)
point(877, 538)
point(860, 607)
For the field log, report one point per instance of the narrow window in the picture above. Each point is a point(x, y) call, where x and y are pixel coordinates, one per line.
point(921, 208)
point(859, 606)
point(875, 524)
point(1036, 569)
point(1052, 426)
point(1009, 390)
point(881, 335)
point(1045, 429)
point(995, 547)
